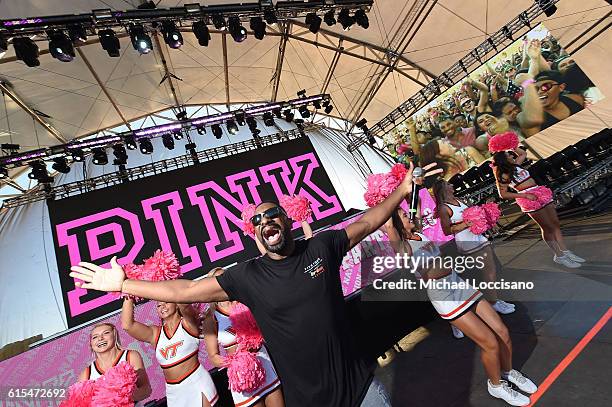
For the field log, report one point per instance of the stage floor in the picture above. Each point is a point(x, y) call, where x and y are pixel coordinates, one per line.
point(555, 332)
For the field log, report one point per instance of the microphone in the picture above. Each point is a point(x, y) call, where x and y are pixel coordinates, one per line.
point(414, 199)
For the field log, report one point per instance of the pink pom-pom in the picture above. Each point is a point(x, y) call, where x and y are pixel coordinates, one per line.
point(80, 394)
point(492, 213)
point(476, 215)
point(248, 334)
point(245, 371)
point(507, 141)
point(402, 148)
point(162, 266)
point(399, 172)
point(373, 194)
point(247, 213)
point(115, 387)
point(543, 194)
point(297, 207)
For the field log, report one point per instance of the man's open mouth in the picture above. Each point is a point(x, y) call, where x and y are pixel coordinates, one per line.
point(271, 235)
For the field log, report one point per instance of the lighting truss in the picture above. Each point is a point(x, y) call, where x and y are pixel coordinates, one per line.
point(452, 75)
point(189, 13)
point(22, 159)
point(158, 167)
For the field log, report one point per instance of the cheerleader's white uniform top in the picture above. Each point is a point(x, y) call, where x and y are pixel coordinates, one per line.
point(174, 348)
point(95, 372)
point(226, 337)
point(467, 242)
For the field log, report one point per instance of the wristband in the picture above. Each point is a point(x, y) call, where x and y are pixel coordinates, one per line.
point(527, 82)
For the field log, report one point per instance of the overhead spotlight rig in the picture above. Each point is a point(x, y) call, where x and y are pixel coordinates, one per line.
point(75, 150)
point(67, 30)
point(458, 70)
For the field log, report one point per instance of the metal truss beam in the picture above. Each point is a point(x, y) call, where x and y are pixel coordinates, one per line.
point(226, 70)
point(280, 58)
point(4, 88)
point(332, 66)
point(103, 87)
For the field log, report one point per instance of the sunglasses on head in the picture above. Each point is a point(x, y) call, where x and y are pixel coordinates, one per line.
point(545, 87)
point(271, 213)
point(512, 154)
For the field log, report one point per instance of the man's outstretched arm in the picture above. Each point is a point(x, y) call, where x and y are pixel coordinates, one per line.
point(179, 291)
point(375, 217)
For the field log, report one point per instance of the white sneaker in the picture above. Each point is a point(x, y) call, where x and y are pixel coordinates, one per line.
point(508, 304)
point(524, 384)
point(566, 261)
point(573, 256)
point(510, 396)
point(503, 307)
point(457, 332)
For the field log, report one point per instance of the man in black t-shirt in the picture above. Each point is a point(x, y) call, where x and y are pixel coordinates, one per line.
point(295, 294)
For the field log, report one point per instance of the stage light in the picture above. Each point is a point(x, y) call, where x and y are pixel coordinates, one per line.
point(258, 27)
point(270, 17)
point(232, 127)
point(316, 104)
point(268, 119)
point(3, 172)
point(547, 6)
point(330, 18)
point(525, 19)
point(328, 106)
point(130, 143)
point(26, 50)
point(361, 123)
point(39, 172)
point(240, 118)
point(314, 22)
point(237, 31)
point(168, 141)
point(99, 156)
point(172, 36)
point(77, 155)
point(361, 18)
point(77, 33)
point(201, 130)
point(277, 112)
point(140, 39)
point(252, 123)
point(298, 122)
point(146, 147)
point(289, 115)
point(201, 32)
point(302, 93)
point(216, 131)
point(507, 33)
point(345, 19)
point(60, 164)
point(3, 43)
point(120, 154)
point(60, 46)
point(219, 22)
point(304, 112)
point(110, 42)
point(178, 134)
point(492, 44)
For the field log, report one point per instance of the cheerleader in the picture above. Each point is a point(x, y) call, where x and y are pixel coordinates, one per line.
point(533, 199)
point(464, 310)
point(106, 346)
point(218, 330)
point(450, 212)
point(176, 344)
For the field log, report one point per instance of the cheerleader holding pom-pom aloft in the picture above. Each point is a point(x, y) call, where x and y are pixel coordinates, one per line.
point(252, 378)
point(533, 199)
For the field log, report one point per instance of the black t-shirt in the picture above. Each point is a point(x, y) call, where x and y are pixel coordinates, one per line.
point(300, 309)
